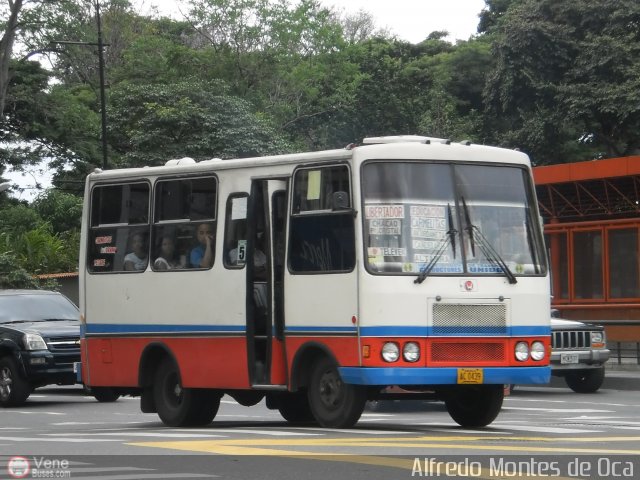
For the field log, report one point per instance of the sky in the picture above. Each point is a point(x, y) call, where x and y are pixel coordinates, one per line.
point(410, 20)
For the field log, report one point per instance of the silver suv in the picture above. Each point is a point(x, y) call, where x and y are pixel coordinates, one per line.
point(578, 353)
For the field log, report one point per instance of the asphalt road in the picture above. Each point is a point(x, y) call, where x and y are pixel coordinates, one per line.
point(549, 432)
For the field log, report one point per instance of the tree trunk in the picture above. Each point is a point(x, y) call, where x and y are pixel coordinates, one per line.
point(6, 49)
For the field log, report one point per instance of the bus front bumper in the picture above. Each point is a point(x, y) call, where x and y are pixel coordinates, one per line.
point(442, 376)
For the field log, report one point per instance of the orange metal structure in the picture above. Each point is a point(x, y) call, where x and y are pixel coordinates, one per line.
point(592, 226)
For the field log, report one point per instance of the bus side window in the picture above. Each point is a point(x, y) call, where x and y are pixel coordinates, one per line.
point(321, 239)
point(235, 231)
point(182, 206)
point(118, 213)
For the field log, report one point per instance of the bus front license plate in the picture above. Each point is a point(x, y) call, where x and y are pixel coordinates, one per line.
point(470, 375)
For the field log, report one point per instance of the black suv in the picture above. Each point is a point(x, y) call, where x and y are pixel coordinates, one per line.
point(39, 342)
point(578, 353)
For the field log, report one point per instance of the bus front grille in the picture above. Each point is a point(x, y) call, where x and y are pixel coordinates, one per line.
point(469, 319)
point(447, 352)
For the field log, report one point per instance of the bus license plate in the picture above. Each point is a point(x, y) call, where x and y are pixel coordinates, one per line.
point(470, 375)
point(568, 358)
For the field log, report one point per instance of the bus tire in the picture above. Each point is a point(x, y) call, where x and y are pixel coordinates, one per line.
point(178, 406)
point(334, 404)
point(294, 407)
point(474, 406)
point(14, 390)
point(588, 381)
point(104, 394)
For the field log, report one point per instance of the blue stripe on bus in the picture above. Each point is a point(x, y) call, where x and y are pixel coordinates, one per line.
point(159, 328)
point(388, 331)
point(405, 331)
point(441, 376)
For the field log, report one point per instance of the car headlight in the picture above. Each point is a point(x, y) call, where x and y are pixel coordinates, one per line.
point(33, 341)
point(411, 352)
point(597, 339)
point(390, 352)
point(537, 351)
point(522, 351)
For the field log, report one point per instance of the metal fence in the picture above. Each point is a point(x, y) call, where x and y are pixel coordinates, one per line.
point(624, 353)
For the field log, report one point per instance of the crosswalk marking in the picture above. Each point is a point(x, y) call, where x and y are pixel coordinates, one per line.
point(533, 428)
point(59, 439)
point(558, 410)
point(162, 434)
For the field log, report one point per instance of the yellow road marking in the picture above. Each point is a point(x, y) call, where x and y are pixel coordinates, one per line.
point(265, 446)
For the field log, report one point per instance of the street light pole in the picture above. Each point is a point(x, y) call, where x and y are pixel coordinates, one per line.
point(103, 104)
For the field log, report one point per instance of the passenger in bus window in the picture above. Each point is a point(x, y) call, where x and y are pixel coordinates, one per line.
point(202, 255)
point(137, 259)
point(167, 258)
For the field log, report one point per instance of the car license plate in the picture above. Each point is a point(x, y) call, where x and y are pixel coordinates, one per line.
point(470, 375)
point(568, 358)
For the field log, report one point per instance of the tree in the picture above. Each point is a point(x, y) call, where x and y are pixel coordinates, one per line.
point(151, 124)
point(62, 210)
point(12, 275)
point(566, 84)
point(31, 24)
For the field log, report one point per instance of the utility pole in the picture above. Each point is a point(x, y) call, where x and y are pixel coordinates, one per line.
point(103, 103)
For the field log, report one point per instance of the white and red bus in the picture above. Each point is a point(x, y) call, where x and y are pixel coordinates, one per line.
point(316, 280)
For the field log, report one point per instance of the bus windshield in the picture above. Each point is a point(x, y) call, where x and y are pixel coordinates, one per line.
point(440, 219)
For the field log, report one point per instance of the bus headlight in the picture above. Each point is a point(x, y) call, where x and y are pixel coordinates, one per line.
point(537, 351)
point(522, 351)
point(390, 352)
point(411, 352)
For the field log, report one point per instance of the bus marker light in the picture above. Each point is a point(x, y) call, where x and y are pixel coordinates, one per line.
point(366, 351)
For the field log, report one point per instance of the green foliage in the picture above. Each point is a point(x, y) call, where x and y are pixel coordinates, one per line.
point(39, 250)
point(18, 219)
point(567, 78)
point(62, 210)
point(12, 275)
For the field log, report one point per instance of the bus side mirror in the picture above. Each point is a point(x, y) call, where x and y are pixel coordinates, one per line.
point(340, 201)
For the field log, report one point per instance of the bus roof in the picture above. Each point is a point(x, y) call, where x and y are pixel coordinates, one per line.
point(390, 148)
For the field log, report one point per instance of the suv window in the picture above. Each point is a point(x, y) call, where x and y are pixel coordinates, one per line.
point(36, 308)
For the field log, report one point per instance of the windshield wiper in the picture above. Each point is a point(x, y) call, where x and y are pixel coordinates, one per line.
point(450, 239)
point(490, 253)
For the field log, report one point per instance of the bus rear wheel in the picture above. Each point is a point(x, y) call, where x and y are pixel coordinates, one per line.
point(334, 404)
point(178, 406)
point(474, 406)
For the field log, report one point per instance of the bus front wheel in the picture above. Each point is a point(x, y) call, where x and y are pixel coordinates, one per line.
point(178, 406)
point(474, 405)
point(334, 404)
point(294, 407)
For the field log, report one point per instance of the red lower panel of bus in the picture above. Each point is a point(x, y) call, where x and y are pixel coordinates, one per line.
point(204, 362)
point(454, 351)
point(207, 362)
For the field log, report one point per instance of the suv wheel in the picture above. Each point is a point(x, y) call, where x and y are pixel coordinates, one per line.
point(14, 390)
point(587, 381)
